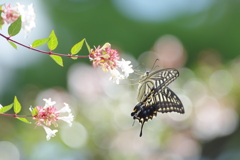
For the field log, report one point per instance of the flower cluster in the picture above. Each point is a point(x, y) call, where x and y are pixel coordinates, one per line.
point(48, 115)
point(104, 57)
point(10, 14)
point(107, 59)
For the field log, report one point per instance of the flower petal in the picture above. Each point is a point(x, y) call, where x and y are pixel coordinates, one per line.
point(50, 133)
point(125, 66)
point(116, 75)
point(48, 103)
point(66, 108)
point(28, 18)
point(67, 119)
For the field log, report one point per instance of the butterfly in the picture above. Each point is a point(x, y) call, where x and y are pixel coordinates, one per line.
point(154, 95)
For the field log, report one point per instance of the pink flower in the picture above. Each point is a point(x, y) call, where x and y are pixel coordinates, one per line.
point(10, 14)
point(104, 57)
point(107, 58)
point(48, 115)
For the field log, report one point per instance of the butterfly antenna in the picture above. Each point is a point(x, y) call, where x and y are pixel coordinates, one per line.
point(154, 64)
point(139, 65)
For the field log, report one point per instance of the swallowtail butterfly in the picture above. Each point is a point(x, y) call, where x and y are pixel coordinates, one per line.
point(154, 96)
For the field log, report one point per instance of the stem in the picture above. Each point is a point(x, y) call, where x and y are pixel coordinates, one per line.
point(37, 50)
point(15, 115)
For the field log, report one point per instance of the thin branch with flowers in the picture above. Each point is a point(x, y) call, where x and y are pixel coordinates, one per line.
point(17, 18)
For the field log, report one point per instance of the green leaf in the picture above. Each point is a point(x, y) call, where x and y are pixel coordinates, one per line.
point(53, 41)
point(6, 108)
point(1, 22)
point(57, 59)
point(23, 119)
point(1, 19)
point(15, 27)
point(77, 47)
point(34, 111)
point(88, 47)
point(39, 42)
point(13, 44)
point(74, 58)
point(17, 106)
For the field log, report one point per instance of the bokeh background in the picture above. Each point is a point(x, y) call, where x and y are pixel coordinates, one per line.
point(198, 37)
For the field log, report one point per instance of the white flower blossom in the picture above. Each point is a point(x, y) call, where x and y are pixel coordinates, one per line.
point(28, 18)
point(48, 115)
point(116, 75)
point(50, 133)
point(66, 108)
point(126, 69)
point(125, 66)
point(48, 103)
point(67, 119)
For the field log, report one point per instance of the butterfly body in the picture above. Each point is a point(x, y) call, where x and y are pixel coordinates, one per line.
point(154, 96)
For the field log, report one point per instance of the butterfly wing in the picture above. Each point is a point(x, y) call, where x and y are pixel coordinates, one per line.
point(167, 101)
point(158, 79)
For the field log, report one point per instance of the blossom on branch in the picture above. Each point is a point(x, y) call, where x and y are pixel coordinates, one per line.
point(11, 14)
point(48, 115)
point(108, 60)
point(125, 66)
point(28, 18)
point(104, 57)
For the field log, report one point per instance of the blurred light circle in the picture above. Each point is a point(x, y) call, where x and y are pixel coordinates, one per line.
point(195, 89)
point(147, 60)
point(191, 149)
point(102, 136)
point(122, 120)
point(74, 136)
point(8, 151)
point(170, 52)
point(207, 125)
point(185, 75)
point(229, 121)
point(83, 84)
point(212, 117)
point(221, 82)
point(128, 142)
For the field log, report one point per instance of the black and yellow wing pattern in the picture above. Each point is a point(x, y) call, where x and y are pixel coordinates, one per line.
point(154, 96)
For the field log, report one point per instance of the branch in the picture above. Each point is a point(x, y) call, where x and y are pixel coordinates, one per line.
point(37, 50)
point(14, 115)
